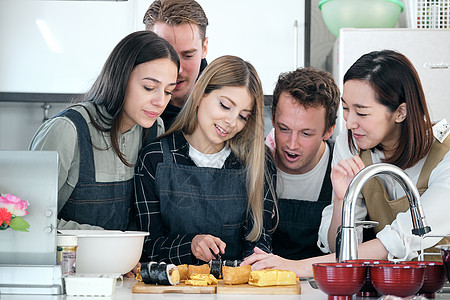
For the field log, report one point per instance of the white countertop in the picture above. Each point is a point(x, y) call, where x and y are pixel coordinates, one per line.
point(123, 292)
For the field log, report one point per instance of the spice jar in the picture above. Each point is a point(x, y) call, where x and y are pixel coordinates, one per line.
point(66, 246)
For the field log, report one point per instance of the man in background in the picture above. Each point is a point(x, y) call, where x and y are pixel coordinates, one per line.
point(304, 109)
point(183, 24)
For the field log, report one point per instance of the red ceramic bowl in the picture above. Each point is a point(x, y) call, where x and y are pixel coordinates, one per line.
point(339, 280)
point(434, 277)
point(445, 254)
point(397, 279)
point(368, 290)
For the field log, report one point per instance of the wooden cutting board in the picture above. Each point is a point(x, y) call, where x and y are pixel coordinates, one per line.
point(140, 287)
point(246, 289)
point(221, 288)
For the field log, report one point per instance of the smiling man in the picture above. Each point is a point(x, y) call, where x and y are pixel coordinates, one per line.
point(183, 24)
point(304, 108)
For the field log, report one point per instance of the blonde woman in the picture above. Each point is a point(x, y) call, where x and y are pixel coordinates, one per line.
point(205, 188)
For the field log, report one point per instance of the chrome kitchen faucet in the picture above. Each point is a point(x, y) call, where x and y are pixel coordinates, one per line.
point(346, 239)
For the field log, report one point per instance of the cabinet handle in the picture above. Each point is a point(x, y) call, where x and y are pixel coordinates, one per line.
point(46, 108)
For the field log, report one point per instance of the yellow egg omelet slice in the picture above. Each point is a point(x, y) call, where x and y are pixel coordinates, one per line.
point(196, 282)
point(209, 278)
point(201, 280)
point(270, 277)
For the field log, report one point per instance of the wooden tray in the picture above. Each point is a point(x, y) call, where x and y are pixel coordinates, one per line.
point(182, 288)
point(221, 288)
point(246, 289)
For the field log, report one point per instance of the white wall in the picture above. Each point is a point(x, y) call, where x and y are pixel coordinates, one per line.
point(80, 35)
point(60, 46)
point(19, 121)
point(65, 59)
point(259, 31)
point(431, 61)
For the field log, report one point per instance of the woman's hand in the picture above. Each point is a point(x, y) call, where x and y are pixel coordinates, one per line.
point(342, 174)
point(302, 268)
point(262, 260)
point(204, 245)
point(133, 273)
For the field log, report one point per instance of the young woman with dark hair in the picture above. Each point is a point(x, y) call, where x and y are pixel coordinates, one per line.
point(388, 121)
point(98, 139)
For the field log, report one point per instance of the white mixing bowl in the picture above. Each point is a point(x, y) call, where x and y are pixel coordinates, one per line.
point(107, 251)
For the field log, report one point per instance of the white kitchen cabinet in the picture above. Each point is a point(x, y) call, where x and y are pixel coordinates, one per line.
point(427, 49)
point(50, 47)
point(60, 46)
point(259, 31)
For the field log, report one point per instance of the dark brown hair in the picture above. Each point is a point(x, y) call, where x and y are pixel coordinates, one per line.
point(110, 86)
point(310, 87)
point(395, 81)
point(176, 12)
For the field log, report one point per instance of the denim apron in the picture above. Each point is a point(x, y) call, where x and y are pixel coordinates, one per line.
point(298, 228)
point(203, 200)
point(104, 204)
point(384, 210)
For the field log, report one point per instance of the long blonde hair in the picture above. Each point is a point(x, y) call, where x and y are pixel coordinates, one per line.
point(248, 144)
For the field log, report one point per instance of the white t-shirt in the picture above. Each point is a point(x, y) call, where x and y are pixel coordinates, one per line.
point(303, 186)
point(215, 160)
point(397, 237)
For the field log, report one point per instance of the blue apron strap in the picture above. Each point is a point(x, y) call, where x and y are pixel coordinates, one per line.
point(87, 166)
point(326, 190)
point(167, 154)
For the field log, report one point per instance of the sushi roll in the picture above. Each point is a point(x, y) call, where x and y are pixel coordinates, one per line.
point(236, 275)
point(201, 269)
point(162, 273)
point(145, 272)
point(216, 267)
point(232, 263)
point(183, 269)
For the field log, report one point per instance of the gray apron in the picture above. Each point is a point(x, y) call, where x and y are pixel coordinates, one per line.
point(204, 201)
point(298, 228)
point(104, 204)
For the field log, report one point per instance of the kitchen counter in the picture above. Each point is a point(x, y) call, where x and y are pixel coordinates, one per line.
point(123, 292)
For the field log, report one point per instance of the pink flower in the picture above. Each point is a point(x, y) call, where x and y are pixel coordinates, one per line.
point(5, 216)
point(16, 206)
